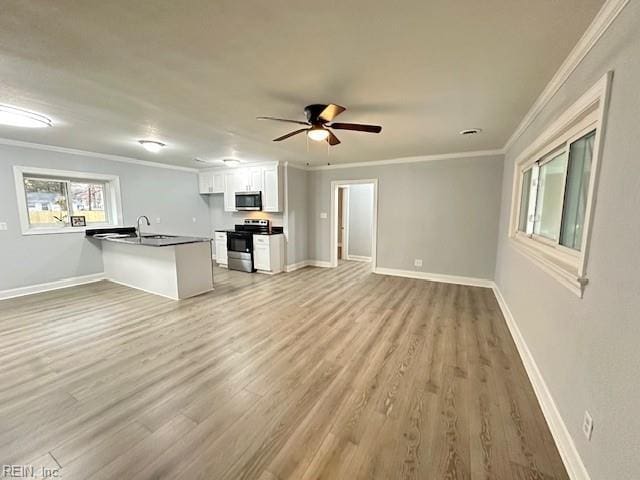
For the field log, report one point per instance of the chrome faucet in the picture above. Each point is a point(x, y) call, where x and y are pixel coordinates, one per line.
point(138, 221)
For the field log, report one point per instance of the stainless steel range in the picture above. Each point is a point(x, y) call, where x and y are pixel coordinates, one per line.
point(240, 243)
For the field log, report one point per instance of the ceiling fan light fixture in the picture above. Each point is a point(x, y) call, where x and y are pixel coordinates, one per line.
point(317, 134)
point(17, 117)
point(151, 145)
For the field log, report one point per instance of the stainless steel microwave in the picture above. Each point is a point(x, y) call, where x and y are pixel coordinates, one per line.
point(248, 200)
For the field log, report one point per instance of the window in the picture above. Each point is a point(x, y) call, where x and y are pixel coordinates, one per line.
point(554, 187)
point(48, 198)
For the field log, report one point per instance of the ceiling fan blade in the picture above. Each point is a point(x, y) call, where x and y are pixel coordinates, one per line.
point(299, 122)
point(330, 112)
point(291, 134)
point(332, 139)
point(358, 127)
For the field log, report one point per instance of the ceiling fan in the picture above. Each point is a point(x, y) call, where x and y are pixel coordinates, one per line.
point(320, 120)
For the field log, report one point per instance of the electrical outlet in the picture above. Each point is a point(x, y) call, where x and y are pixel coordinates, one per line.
point(323, 214)
point(193, 219)
point(417, 262)
point(3, 225)
point(157, 219)
point(587, 425)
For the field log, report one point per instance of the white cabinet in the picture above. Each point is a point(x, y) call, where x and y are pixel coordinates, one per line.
point(265, 179)
point(272, 189)
point(268, 253)
point(211, 182)
point(231, 182)
point(220, 240)
point(255, 180)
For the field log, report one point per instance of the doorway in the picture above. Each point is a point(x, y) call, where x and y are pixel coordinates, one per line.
point(343, 222)
point(354, 218)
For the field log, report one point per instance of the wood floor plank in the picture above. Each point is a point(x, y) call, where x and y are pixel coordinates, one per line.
point(315, 374)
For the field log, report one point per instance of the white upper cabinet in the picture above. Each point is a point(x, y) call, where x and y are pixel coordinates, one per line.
point(272, 191)
point(211, 182)
point(255, 179)
point(231, 185)
point(266, 179)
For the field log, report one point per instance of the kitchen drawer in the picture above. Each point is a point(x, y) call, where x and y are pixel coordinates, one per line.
point(261, 239)
point(220, 236)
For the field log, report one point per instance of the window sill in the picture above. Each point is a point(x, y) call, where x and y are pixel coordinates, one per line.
point(566, 274)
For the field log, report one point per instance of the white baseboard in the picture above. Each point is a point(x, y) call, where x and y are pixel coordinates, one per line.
point(564, 442)
point(436, 277)
point(358, 258)
point(46, 287)
point(296, 266)
point(319, 263)
point(306, 263)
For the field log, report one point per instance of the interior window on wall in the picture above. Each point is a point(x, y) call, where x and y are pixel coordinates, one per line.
point(554, 189)
point(48, 199)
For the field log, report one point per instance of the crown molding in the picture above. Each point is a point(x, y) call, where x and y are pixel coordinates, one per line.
point(85, 153)
point(416, 159)
point(602, 21)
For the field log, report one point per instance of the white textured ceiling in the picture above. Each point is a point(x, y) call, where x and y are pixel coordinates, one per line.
point(195, 74)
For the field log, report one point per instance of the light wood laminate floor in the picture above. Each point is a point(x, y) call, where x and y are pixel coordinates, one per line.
point(320, 373)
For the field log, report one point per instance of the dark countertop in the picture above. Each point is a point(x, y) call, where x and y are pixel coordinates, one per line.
point(128, 235)
point(157, 240)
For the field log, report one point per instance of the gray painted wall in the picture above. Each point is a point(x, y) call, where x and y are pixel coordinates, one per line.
point(587, 349)
point(360, 220)
point(155, 192)
point(297, 215)
point(444, 212)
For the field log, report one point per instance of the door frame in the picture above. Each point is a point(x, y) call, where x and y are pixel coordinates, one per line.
point(334, 219)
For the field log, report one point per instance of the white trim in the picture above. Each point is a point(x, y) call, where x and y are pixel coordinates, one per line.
point(306, 263)
point(564, 442)
point(319, 263)
point(334, 219)
point(46, 287)
point(358, 258)
point(416, 159)
point(298, 166)
point(436, 277)
point(112, 191)
point(296, 266)
point(605, 17)
point(86, 153)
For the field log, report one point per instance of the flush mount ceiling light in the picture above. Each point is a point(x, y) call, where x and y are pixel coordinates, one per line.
point(16, 117)
point(471, 131)
point(151, 145)
point(317, 133)
point(231, 162)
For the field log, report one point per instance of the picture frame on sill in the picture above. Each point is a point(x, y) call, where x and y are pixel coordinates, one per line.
point(78, 221)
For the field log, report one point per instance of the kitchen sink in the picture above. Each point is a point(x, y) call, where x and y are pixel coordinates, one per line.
point(158, 237)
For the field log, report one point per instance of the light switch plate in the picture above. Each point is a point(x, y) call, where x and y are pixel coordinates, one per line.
point(323, 214)
point(417, 262)
point(3, 225)
point(157, 219)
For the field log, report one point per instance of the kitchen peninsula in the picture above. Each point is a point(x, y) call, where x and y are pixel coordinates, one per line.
point(176, 267)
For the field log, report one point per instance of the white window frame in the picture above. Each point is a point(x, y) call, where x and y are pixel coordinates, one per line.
point(566, 265)
point(113, 202)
